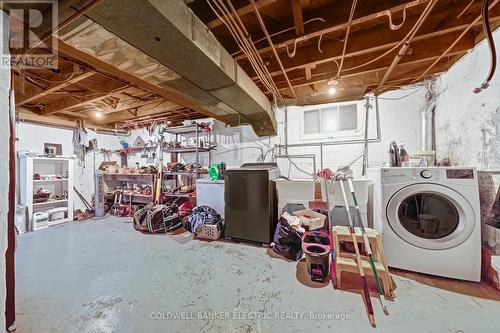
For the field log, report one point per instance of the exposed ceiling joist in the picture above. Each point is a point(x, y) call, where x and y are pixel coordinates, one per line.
point(57, 82)
point(337, 23)
point(297, 17)
point(70, 101)
point(363, 43)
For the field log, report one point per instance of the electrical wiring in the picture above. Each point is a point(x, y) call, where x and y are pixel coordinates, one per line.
point(348, 29)
point(388, 13)
point(266, 33)
point(465, 9)
point(401, 97)
point(401, 42)
point(291, 55)
point(244, 42)
point(283, 31)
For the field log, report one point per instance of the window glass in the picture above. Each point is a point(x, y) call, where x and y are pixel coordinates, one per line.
point(311, 122)
point(348, 117)
point(329, 121)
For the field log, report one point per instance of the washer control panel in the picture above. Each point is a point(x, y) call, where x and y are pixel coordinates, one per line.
point(426, 174)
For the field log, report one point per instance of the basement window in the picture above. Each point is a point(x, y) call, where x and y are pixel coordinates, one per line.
point(330, 121)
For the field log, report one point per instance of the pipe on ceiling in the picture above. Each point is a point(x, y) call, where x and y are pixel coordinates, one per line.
point(491, 44)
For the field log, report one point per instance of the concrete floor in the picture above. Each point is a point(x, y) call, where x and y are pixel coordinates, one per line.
point(102, 276)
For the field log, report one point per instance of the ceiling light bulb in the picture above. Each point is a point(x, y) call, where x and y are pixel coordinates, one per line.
point(98, 114)
point(332, 91)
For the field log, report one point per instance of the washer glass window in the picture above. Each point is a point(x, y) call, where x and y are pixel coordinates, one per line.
point(428, 215)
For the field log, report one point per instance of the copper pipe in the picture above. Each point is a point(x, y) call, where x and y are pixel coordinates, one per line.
point(263, 26)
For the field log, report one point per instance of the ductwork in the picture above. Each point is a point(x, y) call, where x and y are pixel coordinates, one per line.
point(163, 42)
point(426, 127)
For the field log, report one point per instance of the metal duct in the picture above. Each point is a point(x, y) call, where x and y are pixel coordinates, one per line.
point(170, 34)
point(427, 127)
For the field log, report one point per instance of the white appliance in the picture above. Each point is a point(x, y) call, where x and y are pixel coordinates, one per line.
point(429, 219)
point(362, 189)
point(294, 194)
point(210, 193)
point(40, 221)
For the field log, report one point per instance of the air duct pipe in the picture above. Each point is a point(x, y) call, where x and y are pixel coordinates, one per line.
point(427, 127)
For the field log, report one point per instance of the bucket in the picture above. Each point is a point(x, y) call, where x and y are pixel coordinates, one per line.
point(316, 246)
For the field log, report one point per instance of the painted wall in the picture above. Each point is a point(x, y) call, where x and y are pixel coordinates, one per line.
point(399, 121)
point(4, 164)
point(468, 124)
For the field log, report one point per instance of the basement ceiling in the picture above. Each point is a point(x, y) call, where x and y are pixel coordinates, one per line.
point(318, 43)
point(309, 37)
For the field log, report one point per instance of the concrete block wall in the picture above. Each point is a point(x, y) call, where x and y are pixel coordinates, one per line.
point(468, 124)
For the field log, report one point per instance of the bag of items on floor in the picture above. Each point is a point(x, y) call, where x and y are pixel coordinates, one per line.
point(205, 222)
point(157, 219)
point(288, 237)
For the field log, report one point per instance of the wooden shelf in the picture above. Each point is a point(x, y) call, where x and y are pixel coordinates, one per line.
point(128, 177)
point(49, 180)
point(185, 172)
point(180, 195)
point(49, 202)
point(188, 149)
point(182, 129)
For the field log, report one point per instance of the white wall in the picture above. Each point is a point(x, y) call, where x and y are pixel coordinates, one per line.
point(399, 121)
point(462, 115)
point(4, 164)
point(32, 138)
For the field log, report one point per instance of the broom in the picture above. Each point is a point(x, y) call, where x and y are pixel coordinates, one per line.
point(364, 285)
point(367, 246)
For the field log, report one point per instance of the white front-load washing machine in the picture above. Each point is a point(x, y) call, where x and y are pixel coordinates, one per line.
point(429, 219)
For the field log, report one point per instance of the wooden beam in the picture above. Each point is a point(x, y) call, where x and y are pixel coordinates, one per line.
point(104, 67)
point(373, 75)
point(365, 42)
point(33, 92)
point(242, 11)
point(424, 51)
point(308, 73)
point(163, 107)
point(70, 102)
point(133, 105)
point(336, 22)
point(297, 17)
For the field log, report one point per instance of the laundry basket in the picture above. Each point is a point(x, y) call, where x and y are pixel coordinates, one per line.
point(210, 231)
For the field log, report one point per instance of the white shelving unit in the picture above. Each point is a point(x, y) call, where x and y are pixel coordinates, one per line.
point(47, 168)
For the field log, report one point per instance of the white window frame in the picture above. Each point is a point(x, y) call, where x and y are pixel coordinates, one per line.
point(350, 134)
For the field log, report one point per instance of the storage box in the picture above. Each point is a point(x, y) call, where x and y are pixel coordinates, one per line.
point(308, 214)
point(58, 213)
point(210, 231)
point(40, 221)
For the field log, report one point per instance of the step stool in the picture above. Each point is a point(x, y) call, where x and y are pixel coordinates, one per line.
point(346, 261)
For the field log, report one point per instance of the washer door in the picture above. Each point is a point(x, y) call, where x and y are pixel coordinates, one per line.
point(430, 216)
